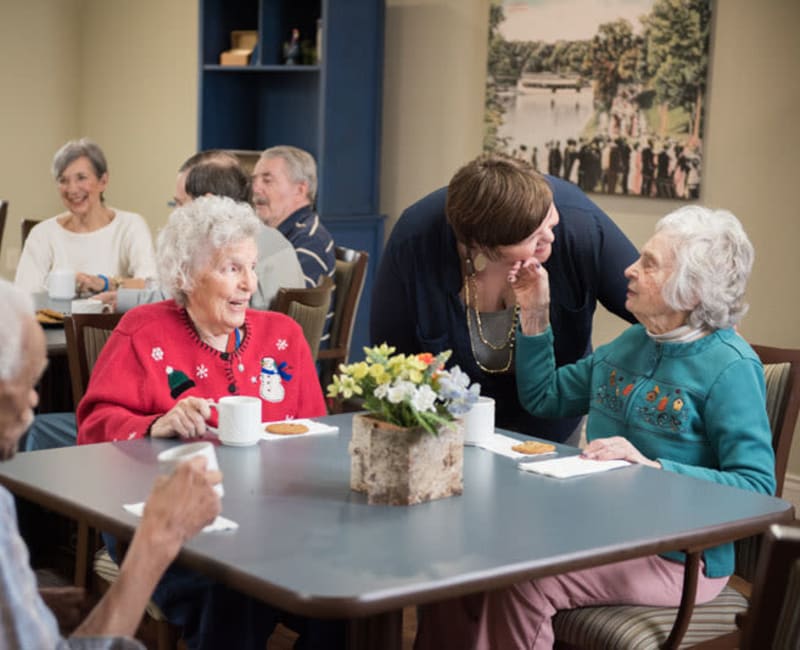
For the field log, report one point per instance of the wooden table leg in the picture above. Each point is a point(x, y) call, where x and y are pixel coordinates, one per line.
point(383, 631)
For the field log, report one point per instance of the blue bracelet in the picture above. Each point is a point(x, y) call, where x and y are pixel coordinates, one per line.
point(105, 281)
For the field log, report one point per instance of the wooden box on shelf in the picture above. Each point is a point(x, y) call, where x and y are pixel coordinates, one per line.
point(243, 42)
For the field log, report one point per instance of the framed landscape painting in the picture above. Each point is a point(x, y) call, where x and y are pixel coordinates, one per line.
point(608, 94)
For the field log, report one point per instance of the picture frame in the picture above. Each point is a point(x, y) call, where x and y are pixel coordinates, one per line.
point(608, 94)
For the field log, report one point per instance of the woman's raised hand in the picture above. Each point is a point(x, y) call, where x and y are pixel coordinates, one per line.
point(187, 419)
point(531, 286)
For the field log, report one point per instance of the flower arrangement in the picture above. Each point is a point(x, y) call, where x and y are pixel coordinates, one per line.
point(407, 390)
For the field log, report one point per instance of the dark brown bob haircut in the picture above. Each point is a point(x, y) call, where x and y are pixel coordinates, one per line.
point(496, 200)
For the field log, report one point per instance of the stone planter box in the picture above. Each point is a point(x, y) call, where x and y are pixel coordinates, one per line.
point(401, 466)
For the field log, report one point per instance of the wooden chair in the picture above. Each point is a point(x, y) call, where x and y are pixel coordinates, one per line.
point(773, 620)
point(26, 225)
point(351, 273)
point(711, 625)
point(309, 307)
point(86, 335)
point(3, 213)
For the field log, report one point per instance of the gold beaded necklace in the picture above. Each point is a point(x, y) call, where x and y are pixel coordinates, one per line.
point(510, 337)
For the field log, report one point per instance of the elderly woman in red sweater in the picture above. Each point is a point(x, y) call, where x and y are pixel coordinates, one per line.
point(165, 361)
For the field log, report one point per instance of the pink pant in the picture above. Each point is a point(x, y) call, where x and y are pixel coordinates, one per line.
point(520, 616)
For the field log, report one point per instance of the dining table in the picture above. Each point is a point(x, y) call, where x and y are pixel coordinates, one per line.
point(308, 544)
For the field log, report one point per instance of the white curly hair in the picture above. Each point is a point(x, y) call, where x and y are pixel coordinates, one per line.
point(713, 261)
point(193, 233)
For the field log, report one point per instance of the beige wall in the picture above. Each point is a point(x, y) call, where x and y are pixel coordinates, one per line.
point(125, 73)
point(40, 83)
point(139, 64)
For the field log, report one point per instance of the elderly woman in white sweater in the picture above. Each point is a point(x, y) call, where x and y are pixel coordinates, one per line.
point(107, 248)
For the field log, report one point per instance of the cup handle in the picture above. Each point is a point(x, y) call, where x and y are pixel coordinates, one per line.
point(214, 431)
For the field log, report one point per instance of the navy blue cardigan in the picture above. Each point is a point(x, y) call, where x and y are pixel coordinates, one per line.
point(416, 306)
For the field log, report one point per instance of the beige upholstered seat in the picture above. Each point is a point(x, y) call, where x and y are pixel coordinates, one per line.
point(351, 273)
point(633, 627)
point(309, 307)
point(86, 335)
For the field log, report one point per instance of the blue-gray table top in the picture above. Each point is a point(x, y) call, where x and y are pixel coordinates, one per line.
point(307, 543)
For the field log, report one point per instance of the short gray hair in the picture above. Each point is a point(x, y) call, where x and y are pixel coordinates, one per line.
point(75, 149)
point(193, 232)
point(300, 166)
point(713, 261)
point(17, 307)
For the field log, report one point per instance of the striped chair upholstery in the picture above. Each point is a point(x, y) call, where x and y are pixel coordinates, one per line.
point(627, 626)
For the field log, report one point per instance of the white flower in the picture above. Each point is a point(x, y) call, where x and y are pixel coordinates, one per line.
point(157, 354)
point(382, 391)
point(281, 344)
point(201, 371)
point(400, 391)
point(424, 398)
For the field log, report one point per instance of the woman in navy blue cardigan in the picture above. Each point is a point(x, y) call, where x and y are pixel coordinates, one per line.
point(442, 282)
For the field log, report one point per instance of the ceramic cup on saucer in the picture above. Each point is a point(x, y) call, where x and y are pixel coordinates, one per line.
point(169, 459)
point(239, 420)
point(87, 306)
point(479, 421)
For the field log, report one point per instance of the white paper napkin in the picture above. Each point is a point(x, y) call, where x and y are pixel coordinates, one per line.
point(220, 523)
point(571, 466)
point(314, 427)
point(500, 444)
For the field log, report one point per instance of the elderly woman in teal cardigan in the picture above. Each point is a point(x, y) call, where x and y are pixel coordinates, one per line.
point(681, 392)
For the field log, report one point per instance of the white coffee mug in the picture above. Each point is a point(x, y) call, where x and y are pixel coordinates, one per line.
point(239, 420)
point(61, 284)
point(87, 306)
point(479, 421)
point(170, 458)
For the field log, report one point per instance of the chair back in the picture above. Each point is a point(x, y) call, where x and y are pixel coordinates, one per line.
point(782, 374)
point(309, 307)
point(351, 273)
point(773, 620)
point(86, 335)
point(3, 213)
point(26, 225)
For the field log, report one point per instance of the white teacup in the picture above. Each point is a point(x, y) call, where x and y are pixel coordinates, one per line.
point(61, 284)
point(87, 306)
point(239, 420)
point(169, 459)
point(479, 422)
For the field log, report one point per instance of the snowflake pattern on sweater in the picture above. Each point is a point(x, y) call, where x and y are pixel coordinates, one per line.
point(155, 358)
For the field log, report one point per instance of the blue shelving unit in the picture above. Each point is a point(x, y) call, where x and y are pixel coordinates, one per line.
point(330, 107)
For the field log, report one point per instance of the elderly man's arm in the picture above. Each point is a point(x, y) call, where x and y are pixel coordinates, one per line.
point(178, 508)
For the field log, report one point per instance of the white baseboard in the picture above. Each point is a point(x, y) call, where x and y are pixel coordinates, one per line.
point(791, 491)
